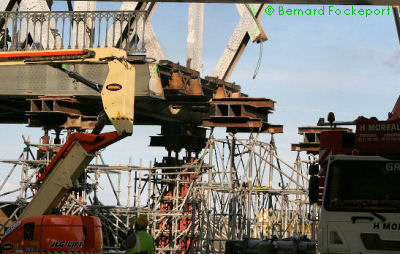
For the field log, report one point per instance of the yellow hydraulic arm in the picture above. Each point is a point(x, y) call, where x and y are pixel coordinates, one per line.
point(118, 92)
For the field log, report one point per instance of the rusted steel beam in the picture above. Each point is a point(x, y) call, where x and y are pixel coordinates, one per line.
point(60, 112)
point(311, 138)
point(318, 129)
point(238, 122)
point(247, 101)
point(265, 128)
point(241, 114)
point(225, 84)
point(178, 67)
point(311, 148)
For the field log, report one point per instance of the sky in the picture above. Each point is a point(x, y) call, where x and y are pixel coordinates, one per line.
point(311, 65)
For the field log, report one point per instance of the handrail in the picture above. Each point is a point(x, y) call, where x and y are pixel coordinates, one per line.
point(44, 30)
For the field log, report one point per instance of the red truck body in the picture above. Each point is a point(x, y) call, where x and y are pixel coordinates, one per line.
point(372, 137)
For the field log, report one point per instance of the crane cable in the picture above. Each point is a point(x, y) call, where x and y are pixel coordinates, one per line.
point(259, 60)
point(258, 41)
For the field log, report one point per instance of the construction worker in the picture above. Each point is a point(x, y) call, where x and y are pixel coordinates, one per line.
point(142, 242)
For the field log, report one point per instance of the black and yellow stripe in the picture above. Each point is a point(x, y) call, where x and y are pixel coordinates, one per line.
point(121, 118)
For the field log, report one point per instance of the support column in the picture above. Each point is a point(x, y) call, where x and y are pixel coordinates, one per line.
point(195, 36)
point(84, 29)
point(38, 31)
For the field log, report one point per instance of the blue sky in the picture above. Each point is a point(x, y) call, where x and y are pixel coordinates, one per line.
point(311, 65)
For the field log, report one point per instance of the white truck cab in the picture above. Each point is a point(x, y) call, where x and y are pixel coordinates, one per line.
point(360, 212)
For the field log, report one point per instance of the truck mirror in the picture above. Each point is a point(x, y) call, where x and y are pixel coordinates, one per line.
point(313, 169)
point(313, 189)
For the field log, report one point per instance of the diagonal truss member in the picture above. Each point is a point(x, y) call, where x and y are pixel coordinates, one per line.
point(247, 28)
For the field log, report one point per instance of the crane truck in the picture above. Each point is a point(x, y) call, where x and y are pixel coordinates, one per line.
point(37, 229)
point(357, 186)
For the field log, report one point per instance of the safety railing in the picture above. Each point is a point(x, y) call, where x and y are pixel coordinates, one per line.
point(70, 30)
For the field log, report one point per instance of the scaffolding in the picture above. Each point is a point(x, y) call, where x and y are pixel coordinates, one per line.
point(236, 188)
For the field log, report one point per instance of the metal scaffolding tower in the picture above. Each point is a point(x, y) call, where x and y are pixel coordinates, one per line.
point(236, 188)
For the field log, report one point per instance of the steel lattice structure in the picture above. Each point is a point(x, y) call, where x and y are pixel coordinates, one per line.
point(195, 207)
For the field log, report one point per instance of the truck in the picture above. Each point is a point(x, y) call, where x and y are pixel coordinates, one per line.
point(357, 187)
point(38, 229)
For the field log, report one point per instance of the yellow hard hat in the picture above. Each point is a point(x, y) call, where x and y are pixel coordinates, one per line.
point(142, 221)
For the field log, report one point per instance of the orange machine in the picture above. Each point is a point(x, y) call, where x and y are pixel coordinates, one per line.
point(54, 234)
point(39, 232)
